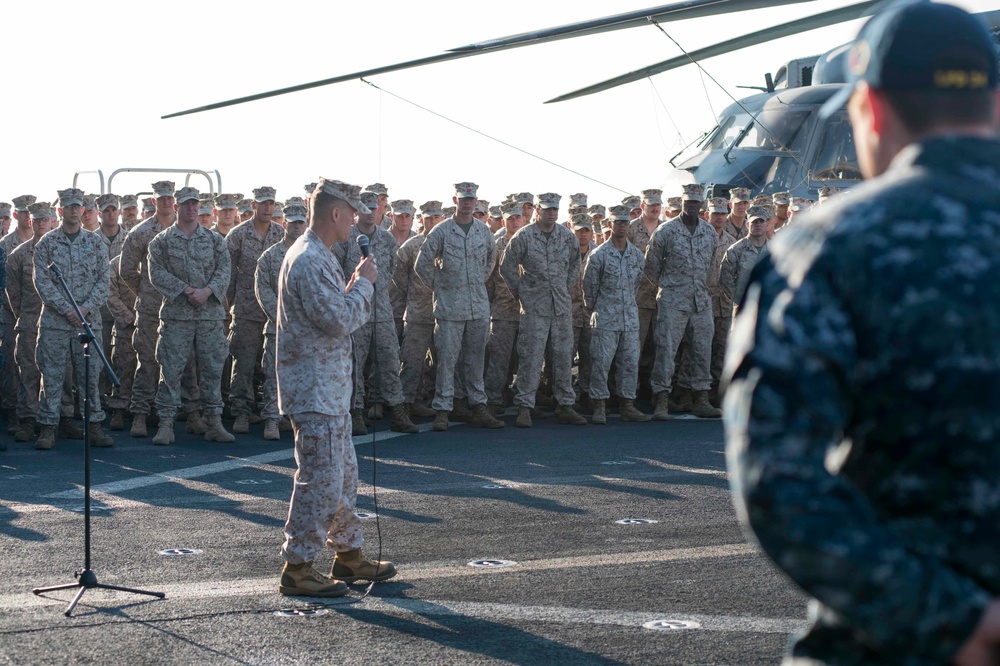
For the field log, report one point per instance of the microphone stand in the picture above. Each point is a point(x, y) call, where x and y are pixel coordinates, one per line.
point(87, 579)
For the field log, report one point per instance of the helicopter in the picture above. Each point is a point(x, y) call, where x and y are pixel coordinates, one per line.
point(773, 141)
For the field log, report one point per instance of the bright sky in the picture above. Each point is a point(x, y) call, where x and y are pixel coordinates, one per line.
point(97, 104)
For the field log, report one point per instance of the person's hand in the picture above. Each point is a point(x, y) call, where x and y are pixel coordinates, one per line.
point(199, 296)
point(983, 646)
point(86, 313)
point(367, 269)
point(72, 318)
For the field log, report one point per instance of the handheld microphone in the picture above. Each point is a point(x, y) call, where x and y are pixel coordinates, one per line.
point(363, 243)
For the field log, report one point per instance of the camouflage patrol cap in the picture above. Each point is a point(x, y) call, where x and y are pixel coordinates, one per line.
point(106, 201)
point(523, 198)
point(549, 200)
point(598, 209)
point(574, 210)
point(578, 200)
point(262, 194)
point(187, 194)
point(761, 200)
point(344, 192)
point(739, 194)
point(620, 213)
point(244, 206)
point(761, 212)
point(675, 204)
point(128, 201)
point(310, 188)
point(782, 198)
point(632, 202)
point(827, 192)
point(369, 199)
point(448, 211)
point(652, 197)
point(295, 214)
point(403, 207)
point(148, 205)
point(800, 204)
point(483, 206)
point(90, 201)
point(163, 188)
point(294, 201)
point(581, 221)
point(22, 202)
point(206, 205)
point(377, 188)
point(466, 190)
point(70, 197)
point(510, 209)
point(429, 208)
point(496, 212)
point(4, 209)
point(718, 205)
point(41, 210)
point(279, 210)
point(230, 201)
point(694, 192)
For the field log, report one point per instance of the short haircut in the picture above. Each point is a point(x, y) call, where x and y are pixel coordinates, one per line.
point(323, 202)
point(921, 111)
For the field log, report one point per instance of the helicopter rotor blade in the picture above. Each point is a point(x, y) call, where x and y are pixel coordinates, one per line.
point(776, 32)
point(665, 13)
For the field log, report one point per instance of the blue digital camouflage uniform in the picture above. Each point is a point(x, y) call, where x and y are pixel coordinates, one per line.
point(862, 418)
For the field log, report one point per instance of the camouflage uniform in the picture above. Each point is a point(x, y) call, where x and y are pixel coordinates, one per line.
point(862, 412)
point(455, 264)
point(246, 337)
point(737, 263)
point(114, 249)
point(729, 227)
point(121, 302)
point(722, 313)
point(24, 302)
point(541, 269)
point(610, 280)
point(505, 318)
point(186, 330)
point(9, 372)
point(266, 290)
point(418, 319)
point(645, 293)
point(384, 342)
point(581, 328)
point(86, 271)
point(314, 361)
point(680, 261)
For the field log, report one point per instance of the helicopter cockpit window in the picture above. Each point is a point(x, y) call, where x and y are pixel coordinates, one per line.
point(835, 157)
point(775, 130)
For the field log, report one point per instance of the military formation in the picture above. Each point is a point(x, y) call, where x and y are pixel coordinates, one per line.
point(476, 307)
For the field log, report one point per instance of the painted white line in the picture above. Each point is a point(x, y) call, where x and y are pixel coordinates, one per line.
point(416, 572)
point(171, 476)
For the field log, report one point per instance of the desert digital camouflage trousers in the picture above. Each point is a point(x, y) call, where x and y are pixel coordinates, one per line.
point(147, 371)
point(672, 325)
point(719, 340)
point(460, 346)
point(246, 344)
point(180, 343)
point(269, 408)
point(123, 360)
point(502, 359)
point(324, 491)
point(29, 380)
point(383, 346)
point(647, 326)
point(620, 348)
point(108, 340)
point(52, 351)
point(533, 334)
point(8, 374)
point(417, 341)
point(581, 349)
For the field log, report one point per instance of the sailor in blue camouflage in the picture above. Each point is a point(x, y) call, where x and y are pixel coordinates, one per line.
point(861, 417)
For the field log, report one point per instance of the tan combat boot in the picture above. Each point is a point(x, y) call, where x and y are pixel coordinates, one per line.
point(375, 412)
point(460, 412)
point(358, 426)
point(99, 438)
point(441, 421)
point(702, 408)
point(352, 566)
point(628, 412)
point(165, 433)
point(139, 426)
point(195, 423)
point(284, 425)
point(27, 431)
point(568, 416)
point(46, 439)
point(242, 424)
point(117, 421)
point(662, 410)
point(401, 420)
point(419, 409)
point(685, 405)
point(302, 580)
point(483, 419)
point(523, 417)
point(599, 417)
point(69, 430)
point(215, 432)
point(271, 429)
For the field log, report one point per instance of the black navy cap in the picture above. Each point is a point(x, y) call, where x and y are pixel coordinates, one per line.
point(919, 45)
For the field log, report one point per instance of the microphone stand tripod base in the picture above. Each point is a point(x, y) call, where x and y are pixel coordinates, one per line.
point(87, 580)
